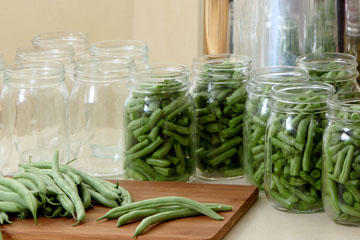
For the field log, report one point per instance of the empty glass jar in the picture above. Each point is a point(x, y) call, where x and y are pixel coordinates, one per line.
point(337, 69)
point(136, 50)
point(159, 124)
point(341, 159)
point(293, 143)
point(96, 120)
point(219, 92)
point(64, 55)
point(35, 110)
point(77, 40)
point(257, 112)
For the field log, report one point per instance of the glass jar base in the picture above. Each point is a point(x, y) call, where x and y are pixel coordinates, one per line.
point(216, 176)
point(298, 211)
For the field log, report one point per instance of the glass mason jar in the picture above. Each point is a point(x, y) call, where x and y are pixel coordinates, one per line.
point(77, 40)
point(218, 90)
point(137, 50)
point(64, 55)
point(337, 69)
point(341, 159)
point(293, 141)
point(257, 112)
point(159, 123)
point(96, 120)
point(35, 109)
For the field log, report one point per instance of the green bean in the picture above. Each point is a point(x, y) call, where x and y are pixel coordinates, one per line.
point(174, 201)
point(309, 145)
point(63, 184)
point(4, 218)
point(85, 195)
point(23, 192)
point(165, 216)
point(11, 207)
point(158, 162)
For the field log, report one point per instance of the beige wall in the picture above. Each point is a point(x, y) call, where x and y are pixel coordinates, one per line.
point(170, 27)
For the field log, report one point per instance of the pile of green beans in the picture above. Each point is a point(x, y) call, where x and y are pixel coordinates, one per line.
point(219, 95)
point(293, 147)
point(341, 179)
point(156, 210)
point(53, 190)
point(159, 134)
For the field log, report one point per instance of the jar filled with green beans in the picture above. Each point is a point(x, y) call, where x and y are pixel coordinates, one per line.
point(337, 69)
point(293, 143)
point(257, 112)
point(159, 124)
point(341, 164)
point(219, 94)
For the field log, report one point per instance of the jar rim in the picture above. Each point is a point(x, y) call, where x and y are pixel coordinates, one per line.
point(263, 77)
point(103, 69)
point(37, 53)
point(305, 95)
point(117, 48)
point(34, 73)
point(321, 61)
point(61, 38)
point(344, 102)
point(156, 76)
point(220, 58)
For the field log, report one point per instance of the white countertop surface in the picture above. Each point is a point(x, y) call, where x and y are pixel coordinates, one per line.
point(262, 221)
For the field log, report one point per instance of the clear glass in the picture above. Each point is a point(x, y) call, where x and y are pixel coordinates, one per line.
point(96, 120)
point(64, 55)
point(219, 83)
point(276, 32)
point(293, 143)
point(159, 123)
point(35, 110)
point(337, 69)
point(77, 40)
point(352, 38)
point(137, 50)
point(341, 159)
point(257, 112)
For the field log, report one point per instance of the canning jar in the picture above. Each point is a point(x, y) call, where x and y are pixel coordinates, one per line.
point(219, 94)
point(257, 112)
point(337, 69)
point(293, 143)
point(64, 55)
point(77, 40)
point(96, 120)
point(137, 50)
point(35, 109)
point(159, 124)
point(341, 159)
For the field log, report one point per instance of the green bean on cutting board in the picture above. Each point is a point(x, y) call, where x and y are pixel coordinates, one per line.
point(161, 209)
point(53, 190)
point(159, 126)
point(219, 95)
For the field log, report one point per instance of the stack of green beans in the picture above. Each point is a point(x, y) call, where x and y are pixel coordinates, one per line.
point(54, 190)
point(341, 151)
point(156, 210)
point(219, 95)
point(337, 69)
point(293, 145)
point(159, 133)
point(257, 112)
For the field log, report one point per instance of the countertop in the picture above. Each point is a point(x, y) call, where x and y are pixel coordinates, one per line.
point(262, 221)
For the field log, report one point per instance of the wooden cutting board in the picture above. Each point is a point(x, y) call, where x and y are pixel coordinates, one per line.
point(200, 227)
